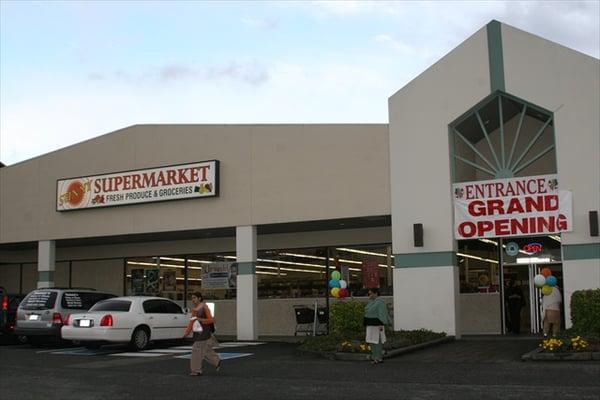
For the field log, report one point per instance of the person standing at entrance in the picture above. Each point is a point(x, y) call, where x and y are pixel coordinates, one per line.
point(203, 340)
point(551, 309)
point(514, 304)
point(376, 317)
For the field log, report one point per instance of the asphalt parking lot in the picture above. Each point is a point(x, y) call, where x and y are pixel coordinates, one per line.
point(466, 369)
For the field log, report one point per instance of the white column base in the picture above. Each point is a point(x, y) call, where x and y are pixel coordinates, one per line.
point(247, 307)
point(427, 298)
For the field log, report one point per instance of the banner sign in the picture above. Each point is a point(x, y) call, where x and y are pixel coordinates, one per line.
point(184, 181)
point(219, 275)
point(511, 207)
point(370, 274)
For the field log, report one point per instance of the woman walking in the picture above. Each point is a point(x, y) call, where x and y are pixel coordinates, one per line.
point(202, 335)
point(376, 317)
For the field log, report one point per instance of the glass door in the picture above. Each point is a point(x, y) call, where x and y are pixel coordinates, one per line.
point(521, 260)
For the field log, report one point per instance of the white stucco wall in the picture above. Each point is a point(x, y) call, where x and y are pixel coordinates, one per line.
point(420, 112)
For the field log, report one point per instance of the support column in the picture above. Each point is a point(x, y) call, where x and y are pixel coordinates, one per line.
point(247, 290)
point(46, 263)
point(426, 292)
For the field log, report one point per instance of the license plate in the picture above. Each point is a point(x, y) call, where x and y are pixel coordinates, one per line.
point(84, 323)
point(34, 317)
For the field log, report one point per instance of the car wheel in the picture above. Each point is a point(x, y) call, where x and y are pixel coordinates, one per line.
point(140, 339)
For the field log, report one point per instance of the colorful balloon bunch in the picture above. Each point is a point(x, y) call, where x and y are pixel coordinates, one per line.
point(545, 281)
point(339, 287)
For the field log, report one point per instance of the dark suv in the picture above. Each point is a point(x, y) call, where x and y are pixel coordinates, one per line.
point(42, 312)
point(8, 313)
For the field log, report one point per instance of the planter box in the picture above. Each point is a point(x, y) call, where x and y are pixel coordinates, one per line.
point(539, 355)
point(393, 352)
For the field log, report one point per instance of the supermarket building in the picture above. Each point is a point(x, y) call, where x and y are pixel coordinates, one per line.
point(488, 171)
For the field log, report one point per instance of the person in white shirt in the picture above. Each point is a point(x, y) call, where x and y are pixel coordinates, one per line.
point(551, 311)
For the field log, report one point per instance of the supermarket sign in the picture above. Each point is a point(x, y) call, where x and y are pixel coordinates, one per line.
point(175, 182)
point(511, 207)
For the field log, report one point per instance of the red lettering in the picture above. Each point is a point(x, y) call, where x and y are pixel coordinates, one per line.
point(476, 208)
point(118, 182)
point(97, 186)
point(514, 206)
point(171, 177)
point(149, 180)
point(484, 226)
point(542, 186)
point(551, 202)
point(136, 182)
point(182, 177)
point(467, 229)
point(203, 172)
point(532, 186)
point(562, 223)
point(502, 227)
point(534, 203)
point(495, 205)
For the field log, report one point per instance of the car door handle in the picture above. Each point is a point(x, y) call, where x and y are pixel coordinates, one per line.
point(174, 317)
point(150, 317)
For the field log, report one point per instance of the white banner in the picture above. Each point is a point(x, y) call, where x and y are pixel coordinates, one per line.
point(511, 207)
point(219, 275)
point(185, 181)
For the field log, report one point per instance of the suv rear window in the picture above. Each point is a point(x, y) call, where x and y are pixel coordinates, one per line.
point(82, 300)
point(39, 300)
point(112, 305)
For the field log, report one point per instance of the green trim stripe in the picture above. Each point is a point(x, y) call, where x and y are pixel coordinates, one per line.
point(581, 251)
point(247, 268)
point(416, 260)
point(45, 276)
point(495, 54)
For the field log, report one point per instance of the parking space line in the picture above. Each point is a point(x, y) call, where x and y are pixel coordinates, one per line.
point(66, 348)
point(222, 356)
point(170, 350)
point(141, 354)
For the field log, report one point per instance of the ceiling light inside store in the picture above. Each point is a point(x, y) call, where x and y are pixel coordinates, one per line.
point(555, 237)
point(533, 260)
point(477, 258)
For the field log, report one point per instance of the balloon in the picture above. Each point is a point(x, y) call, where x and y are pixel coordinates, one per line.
point(335, 292)
point(551, 280)
point(546, 272)
point(336, 275)
point(344, 293)
point(343, 284)
point(546, 290)
point(539, 280)
point(334, 283)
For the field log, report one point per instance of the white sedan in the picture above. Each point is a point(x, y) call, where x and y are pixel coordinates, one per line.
point(134, 319)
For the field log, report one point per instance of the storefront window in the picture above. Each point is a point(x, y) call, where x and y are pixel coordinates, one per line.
point(282, 273)
point(156, 276)
point(302, 272)
point(478, 266)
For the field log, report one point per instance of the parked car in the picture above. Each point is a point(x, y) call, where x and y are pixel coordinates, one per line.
point(42, 312)
point(8, 313)
point(136, 320)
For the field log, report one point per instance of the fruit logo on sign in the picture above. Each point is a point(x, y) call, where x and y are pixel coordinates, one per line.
point(75, 193)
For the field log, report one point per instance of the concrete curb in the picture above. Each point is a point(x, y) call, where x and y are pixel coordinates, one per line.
point(394, 352)
point(539, 355)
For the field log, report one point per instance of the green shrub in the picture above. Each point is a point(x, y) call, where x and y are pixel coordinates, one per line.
point(346, 318)
point(585, 311)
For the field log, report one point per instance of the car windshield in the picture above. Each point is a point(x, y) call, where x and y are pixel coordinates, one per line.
point(39, 300)
point(112, 305)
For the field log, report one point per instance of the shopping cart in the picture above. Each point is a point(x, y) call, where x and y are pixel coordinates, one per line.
point(311, 320)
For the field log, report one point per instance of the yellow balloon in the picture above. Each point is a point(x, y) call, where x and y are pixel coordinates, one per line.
point(335, 292)
point(546, 290)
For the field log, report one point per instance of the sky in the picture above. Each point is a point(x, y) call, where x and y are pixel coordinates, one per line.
point(75, 70)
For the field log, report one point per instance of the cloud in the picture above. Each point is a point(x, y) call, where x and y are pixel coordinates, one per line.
point(251, 73)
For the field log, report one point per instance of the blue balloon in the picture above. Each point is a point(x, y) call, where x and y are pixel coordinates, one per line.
point(334, 283)
point(551, 280)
